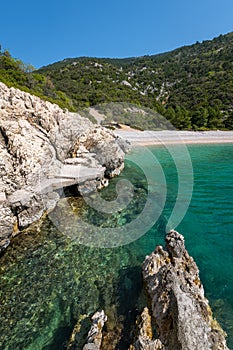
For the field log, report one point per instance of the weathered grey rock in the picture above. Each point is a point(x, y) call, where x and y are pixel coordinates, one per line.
point(182, 314)
point(8, 222)
point(104, 144)
point(94, 338)
point(37, 141)
point(2, 197)
point(144, 340)
point(179, 309)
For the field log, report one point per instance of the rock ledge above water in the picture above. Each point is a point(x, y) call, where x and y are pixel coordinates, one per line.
point(37, 143)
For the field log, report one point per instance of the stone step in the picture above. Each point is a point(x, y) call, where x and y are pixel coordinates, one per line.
point(79, 172)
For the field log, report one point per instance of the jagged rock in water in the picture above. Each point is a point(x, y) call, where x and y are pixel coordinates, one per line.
point(37, 140)
point(182, 314)
point(94, 338)
point(144, 340)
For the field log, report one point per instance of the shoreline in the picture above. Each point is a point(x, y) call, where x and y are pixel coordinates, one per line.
point(174, 137)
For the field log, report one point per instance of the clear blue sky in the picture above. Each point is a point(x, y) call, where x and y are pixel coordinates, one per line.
point(45, 31)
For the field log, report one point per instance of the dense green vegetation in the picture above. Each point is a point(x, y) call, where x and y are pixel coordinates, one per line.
point(90, 81)
point(14, 73)
point(191, 86)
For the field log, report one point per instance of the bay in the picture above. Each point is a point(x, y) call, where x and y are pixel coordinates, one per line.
point(49, 279)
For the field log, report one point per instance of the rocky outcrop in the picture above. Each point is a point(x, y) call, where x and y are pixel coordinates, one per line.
point(177, 308)
point(145, 334)
point(43, 149)
point(93, 340)
point(182, 314)
point(100, 142)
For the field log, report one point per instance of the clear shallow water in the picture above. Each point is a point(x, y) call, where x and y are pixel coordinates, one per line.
point(49, 281)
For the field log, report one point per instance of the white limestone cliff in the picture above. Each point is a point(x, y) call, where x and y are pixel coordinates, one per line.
point(43, 149)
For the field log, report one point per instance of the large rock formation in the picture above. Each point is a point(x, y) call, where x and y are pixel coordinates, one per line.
point(177, 307)
point(43, 149)
point(182, 314)
point(145, 339)
point(94, 337)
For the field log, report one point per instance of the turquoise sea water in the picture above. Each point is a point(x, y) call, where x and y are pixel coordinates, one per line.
point(49, 281)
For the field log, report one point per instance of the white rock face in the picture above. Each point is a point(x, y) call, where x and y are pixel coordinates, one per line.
point(37, 141)
point(94, 338)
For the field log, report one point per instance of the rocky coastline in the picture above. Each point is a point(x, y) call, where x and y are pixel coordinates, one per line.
point(44, 149)
point(182, 314)
point(176, 306)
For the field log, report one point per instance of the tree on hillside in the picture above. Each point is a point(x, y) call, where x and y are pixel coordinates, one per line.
point(199, 117)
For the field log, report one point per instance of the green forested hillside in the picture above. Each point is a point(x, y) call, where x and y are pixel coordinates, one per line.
point(14, 73)
point(191, 86)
